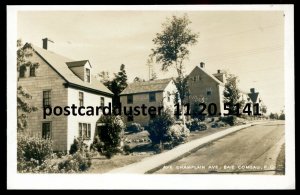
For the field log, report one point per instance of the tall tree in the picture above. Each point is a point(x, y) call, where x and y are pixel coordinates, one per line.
point(121, 79)
point(232, 93)
point(171, 47)
point(117, 84)
point(23, 107)
point(104, 78)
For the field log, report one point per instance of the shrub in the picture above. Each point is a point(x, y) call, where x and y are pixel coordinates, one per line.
point(158, 148)
point(134, 128)
point(78, 145)
point(159, 126)
point(195, 110)
point(97, 145)
point(111, 135)
point(60, 154)
point(231, 120)
point(33, 149)
point(214, 125)
point(195, 124)
point(75, 163)
point(176, 134)
point(127, 149)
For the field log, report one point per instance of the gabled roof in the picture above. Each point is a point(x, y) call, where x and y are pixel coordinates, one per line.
point(208, 74)
point(77, 63)
point(59, 64)
point(146, 86)
point(253, 96)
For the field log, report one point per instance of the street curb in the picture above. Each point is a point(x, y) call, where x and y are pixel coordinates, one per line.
point(156, 162)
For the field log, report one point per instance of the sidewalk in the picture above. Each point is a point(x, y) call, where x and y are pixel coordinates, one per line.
point(154, 163)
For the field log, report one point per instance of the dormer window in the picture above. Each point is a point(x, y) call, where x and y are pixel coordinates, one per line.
point(88, 75)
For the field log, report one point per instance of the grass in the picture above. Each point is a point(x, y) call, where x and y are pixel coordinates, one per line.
point(102, 164)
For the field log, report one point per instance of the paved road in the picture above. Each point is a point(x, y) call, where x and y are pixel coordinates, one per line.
point(250, 151)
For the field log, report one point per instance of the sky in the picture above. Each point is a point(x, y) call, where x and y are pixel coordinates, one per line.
point(248, 44)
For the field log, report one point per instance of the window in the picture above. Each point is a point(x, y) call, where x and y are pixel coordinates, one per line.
point(195, 79)
point(47, 98)
point(84, 131)
point(208, 93)
point(88, 75)
point(80, 98)
point(129, 118)
point(22, 71)
point(169, 96)
point(32, 71)
point(152, 97)
point(46, 130)
point(102, 102)
point(129, 99)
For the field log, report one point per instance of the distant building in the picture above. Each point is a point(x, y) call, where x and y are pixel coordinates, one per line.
point(206, 86)
point(150, 93)
point(60, 81)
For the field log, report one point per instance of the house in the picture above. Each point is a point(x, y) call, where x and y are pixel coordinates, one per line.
point(155, 93)
point(206, 86)
point(59, 82)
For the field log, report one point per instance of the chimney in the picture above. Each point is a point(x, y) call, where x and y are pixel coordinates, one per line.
point(202, 64)
point(220, 76)
point(252, 90)
point(45, 42)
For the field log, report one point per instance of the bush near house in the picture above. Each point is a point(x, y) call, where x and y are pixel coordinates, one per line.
point(78, 145)
point(134, 128)
point(165, 133)
point(35, 155)
point(196, 124)
point(159, 126)
point(176, 134)
point(33, 149)
point(110, 135)
point(231, 120)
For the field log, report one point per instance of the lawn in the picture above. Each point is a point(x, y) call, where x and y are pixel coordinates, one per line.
point(141, 148)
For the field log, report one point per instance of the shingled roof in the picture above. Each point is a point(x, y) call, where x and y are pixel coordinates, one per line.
point(146, 86)
point(59, 64)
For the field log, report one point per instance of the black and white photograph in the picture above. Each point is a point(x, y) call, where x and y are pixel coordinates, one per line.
point(120, 97)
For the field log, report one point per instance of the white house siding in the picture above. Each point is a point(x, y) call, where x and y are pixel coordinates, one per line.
point(221, 98)
point(46, 79)
point(171, 88)
point(90, 99)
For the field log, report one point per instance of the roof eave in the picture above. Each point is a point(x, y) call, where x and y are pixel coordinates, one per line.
point(122, 94)
point(73, 85)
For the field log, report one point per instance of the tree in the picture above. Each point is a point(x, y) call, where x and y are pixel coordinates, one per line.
point(274, 116)
point(171, 47)
point(282, 115)
point(23, 107)
point(153, 76)
point(104, 78)
point(232, 93)
point(138, 80)
point(117, 84)
point(264, 109)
